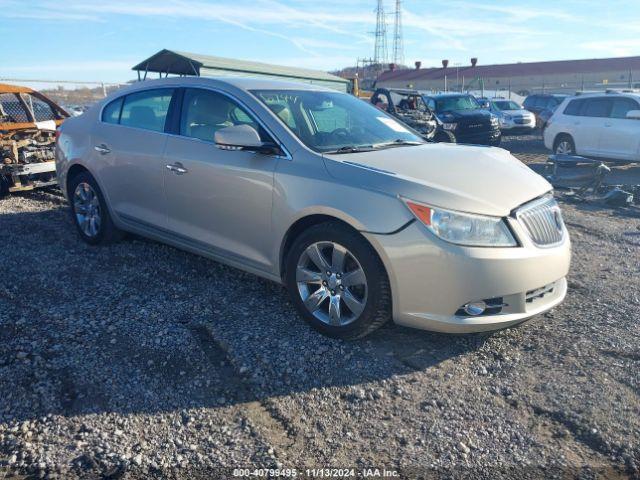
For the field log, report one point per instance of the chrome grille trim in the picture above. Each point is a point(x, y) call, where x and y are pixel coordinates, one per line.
point(542, 221)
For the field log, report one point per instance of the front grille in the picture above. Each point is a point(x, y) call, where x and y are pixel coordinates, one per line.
point(542, 221)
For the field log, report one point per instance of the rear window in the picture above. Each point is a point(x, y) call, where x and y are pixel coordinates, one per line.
point(12, 110)
point(111, 113)
point(42, 111)
point(147, 110)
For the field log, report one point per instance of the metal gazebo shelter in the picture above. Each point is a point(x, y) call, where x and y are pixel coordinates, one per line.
point(167, 62)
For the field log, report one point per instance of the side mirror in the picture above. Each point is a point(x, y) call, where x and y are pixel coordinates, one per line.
point(243, 137)
point(633, 114)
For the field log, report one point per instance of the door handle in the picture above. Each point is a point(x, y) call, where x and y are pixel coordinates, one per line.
point(177, 168)
point(607, 124)
point(102, 149)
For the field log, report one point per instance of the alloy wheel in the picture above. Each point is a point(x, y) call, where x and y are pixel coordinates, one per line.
point(331, 283)
point(564, 148)
point(86, 207)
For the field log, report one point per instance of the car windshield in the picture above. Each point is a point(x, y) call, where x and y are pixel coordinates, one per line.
point(453, 103)
point(336, 122)
point(507, 105)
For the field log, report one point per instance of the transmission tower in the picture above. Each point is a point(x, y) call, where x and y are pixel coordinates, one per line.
point(380, 56)
point(398, 42)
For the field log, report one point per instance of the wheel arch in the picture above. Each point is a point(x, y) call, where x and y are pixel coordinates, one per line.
point(72, 172)
point(559, 136)
point(307, 221)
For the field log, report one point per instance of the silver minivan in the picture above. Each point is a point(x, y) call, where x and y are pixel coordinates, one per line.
point(351, 210)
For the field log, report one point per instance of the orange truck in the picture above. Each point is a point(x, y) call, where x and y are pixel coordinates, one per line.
point(28, 122)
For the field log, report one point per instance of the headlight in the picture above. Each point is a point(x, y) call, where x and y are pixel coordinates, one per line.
point(449, 126)
point(463, 228)
point(507, 117)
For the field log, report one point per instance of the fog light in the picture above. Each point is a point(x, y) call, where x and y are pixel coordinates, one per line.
point(475, 308)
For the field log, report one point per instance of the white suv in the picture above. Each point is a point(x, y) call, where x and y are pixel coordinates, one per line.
point(603, 125)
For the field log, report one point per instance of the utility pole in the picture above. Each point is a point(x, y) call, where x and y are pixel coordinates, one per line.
point(380, 56)
point(398, 41)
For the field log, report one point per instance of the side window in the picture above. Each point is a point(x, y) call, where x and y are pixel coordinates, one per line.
point(597, 107)
point(621, 106)
point(283, 112)
point(329, 118)
point(573, 107)
point(431, 103)
point(111, 113)
point(147, 109)
point(42, 111)
point(205, 112)
point(12, 110)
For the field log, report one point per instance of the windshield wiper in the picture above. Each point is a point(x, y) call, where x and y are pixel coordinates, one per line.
point(397, 143)
point(352, 149)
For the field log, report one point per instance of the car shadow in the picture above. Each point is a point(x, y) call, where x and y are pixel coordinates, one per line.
point(141, 327)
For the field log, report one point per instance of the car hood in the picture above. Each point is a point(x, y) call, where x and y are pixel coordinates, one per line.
point(464, 114)
point(483, 180)
point(517, 112)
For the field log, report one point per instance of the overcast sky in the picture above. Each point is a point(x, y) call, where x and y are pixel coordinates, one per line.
point(103, 39)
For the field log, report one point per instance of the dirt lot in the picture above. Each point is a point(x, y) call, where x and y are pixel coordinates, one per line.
point(140, 360)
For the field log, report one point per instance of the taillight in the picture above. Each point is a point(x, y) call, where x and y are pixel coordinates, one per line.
point(57, 133)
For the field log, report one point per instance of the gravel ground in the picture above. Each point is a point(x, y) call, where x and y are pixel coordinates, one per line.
point(138, 360)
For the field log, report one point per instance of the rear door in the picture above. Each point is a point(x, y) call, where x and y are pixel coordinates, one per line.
point(589, 125)
point(620, 138)
point(128, 144)
point(219, 200)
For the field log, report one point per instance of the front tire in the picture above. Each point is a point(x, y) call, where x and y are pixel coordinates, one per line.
point(337, 282)
point(443, 136)
point(90, 212)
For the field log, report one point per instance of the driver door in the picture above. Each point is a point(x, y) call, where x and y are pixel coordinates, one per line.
point(218, 200)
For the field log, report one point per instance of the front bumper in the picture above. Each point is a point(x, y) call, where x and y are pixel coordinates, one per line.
point(483, 137)
point(512, 125)
point(431, 279)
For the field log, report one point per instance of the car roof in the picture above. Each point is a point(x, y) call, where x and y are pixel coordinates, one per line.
point(6, 88)
point(560, 95)
point(448, 94)
point(635, 95)
point(244, 83)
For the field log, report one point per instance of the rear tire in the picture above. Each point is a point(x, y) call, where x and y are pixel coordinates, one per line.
point(90, 212)
point(564, 145)
point(346, 311)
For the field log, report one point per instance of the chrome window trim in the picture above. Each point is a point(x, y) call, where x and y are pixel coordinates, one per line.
point(252, 114)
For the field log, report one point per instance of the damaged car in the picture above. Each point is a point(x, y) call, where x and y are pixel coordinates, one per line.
point(409, 107)
point(28, 122)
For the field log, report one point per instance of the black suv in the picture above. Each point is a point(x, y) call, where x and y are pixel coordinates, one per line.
point(409, 107)
point(462, 115)
point(543, 103)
